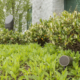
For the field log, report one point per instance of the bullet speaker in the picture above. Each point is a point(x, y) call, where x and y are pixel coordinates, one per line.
point(9, 22)
point(65, 60)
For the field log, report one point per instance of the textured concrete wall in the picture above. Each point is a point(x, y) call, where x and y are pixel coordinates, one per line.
point(43, 9)
point(36, 10)
point(58, 6)
point(46, 9)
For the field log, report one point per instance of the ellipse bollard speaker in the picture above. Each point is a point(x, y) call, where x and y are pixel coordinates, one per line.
point(65, 60)
point(9, 22)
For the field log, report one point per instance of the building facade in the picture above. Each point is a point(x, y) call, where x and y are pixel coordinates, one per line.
point(43, 9)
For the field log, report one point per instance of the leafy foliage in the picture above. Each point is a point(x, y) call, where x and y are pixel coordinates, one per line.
point(10, 37)
point(19, 10)
point(65, 30)
point(61, 30)
point(39, 33)
point(1, 15)
point(34, 62)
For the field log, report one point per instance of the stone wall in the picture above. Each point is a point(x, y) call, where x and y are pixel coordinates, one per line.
point(43, 9)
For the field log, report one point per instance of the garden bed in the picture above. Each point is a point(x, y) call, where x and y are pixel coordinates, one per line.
point(33, 62)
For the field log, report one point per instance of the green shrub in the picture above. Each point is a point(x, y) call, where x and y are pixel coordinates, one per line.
point(65, 30)
point(10, 37)
point(39, 33)
point(61, 30)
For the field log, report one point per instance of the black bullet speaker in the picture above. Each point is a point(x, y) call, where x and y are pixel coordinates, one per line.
point(9, 22)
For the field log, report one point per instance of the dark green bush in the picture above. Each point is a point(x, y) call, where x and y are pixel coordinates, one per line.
point(63, 31)
point(39, 33)
point(10, 37)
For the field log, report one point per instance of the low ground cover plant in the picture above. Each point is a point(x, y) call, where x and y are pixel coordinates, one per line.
point(32, 62)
